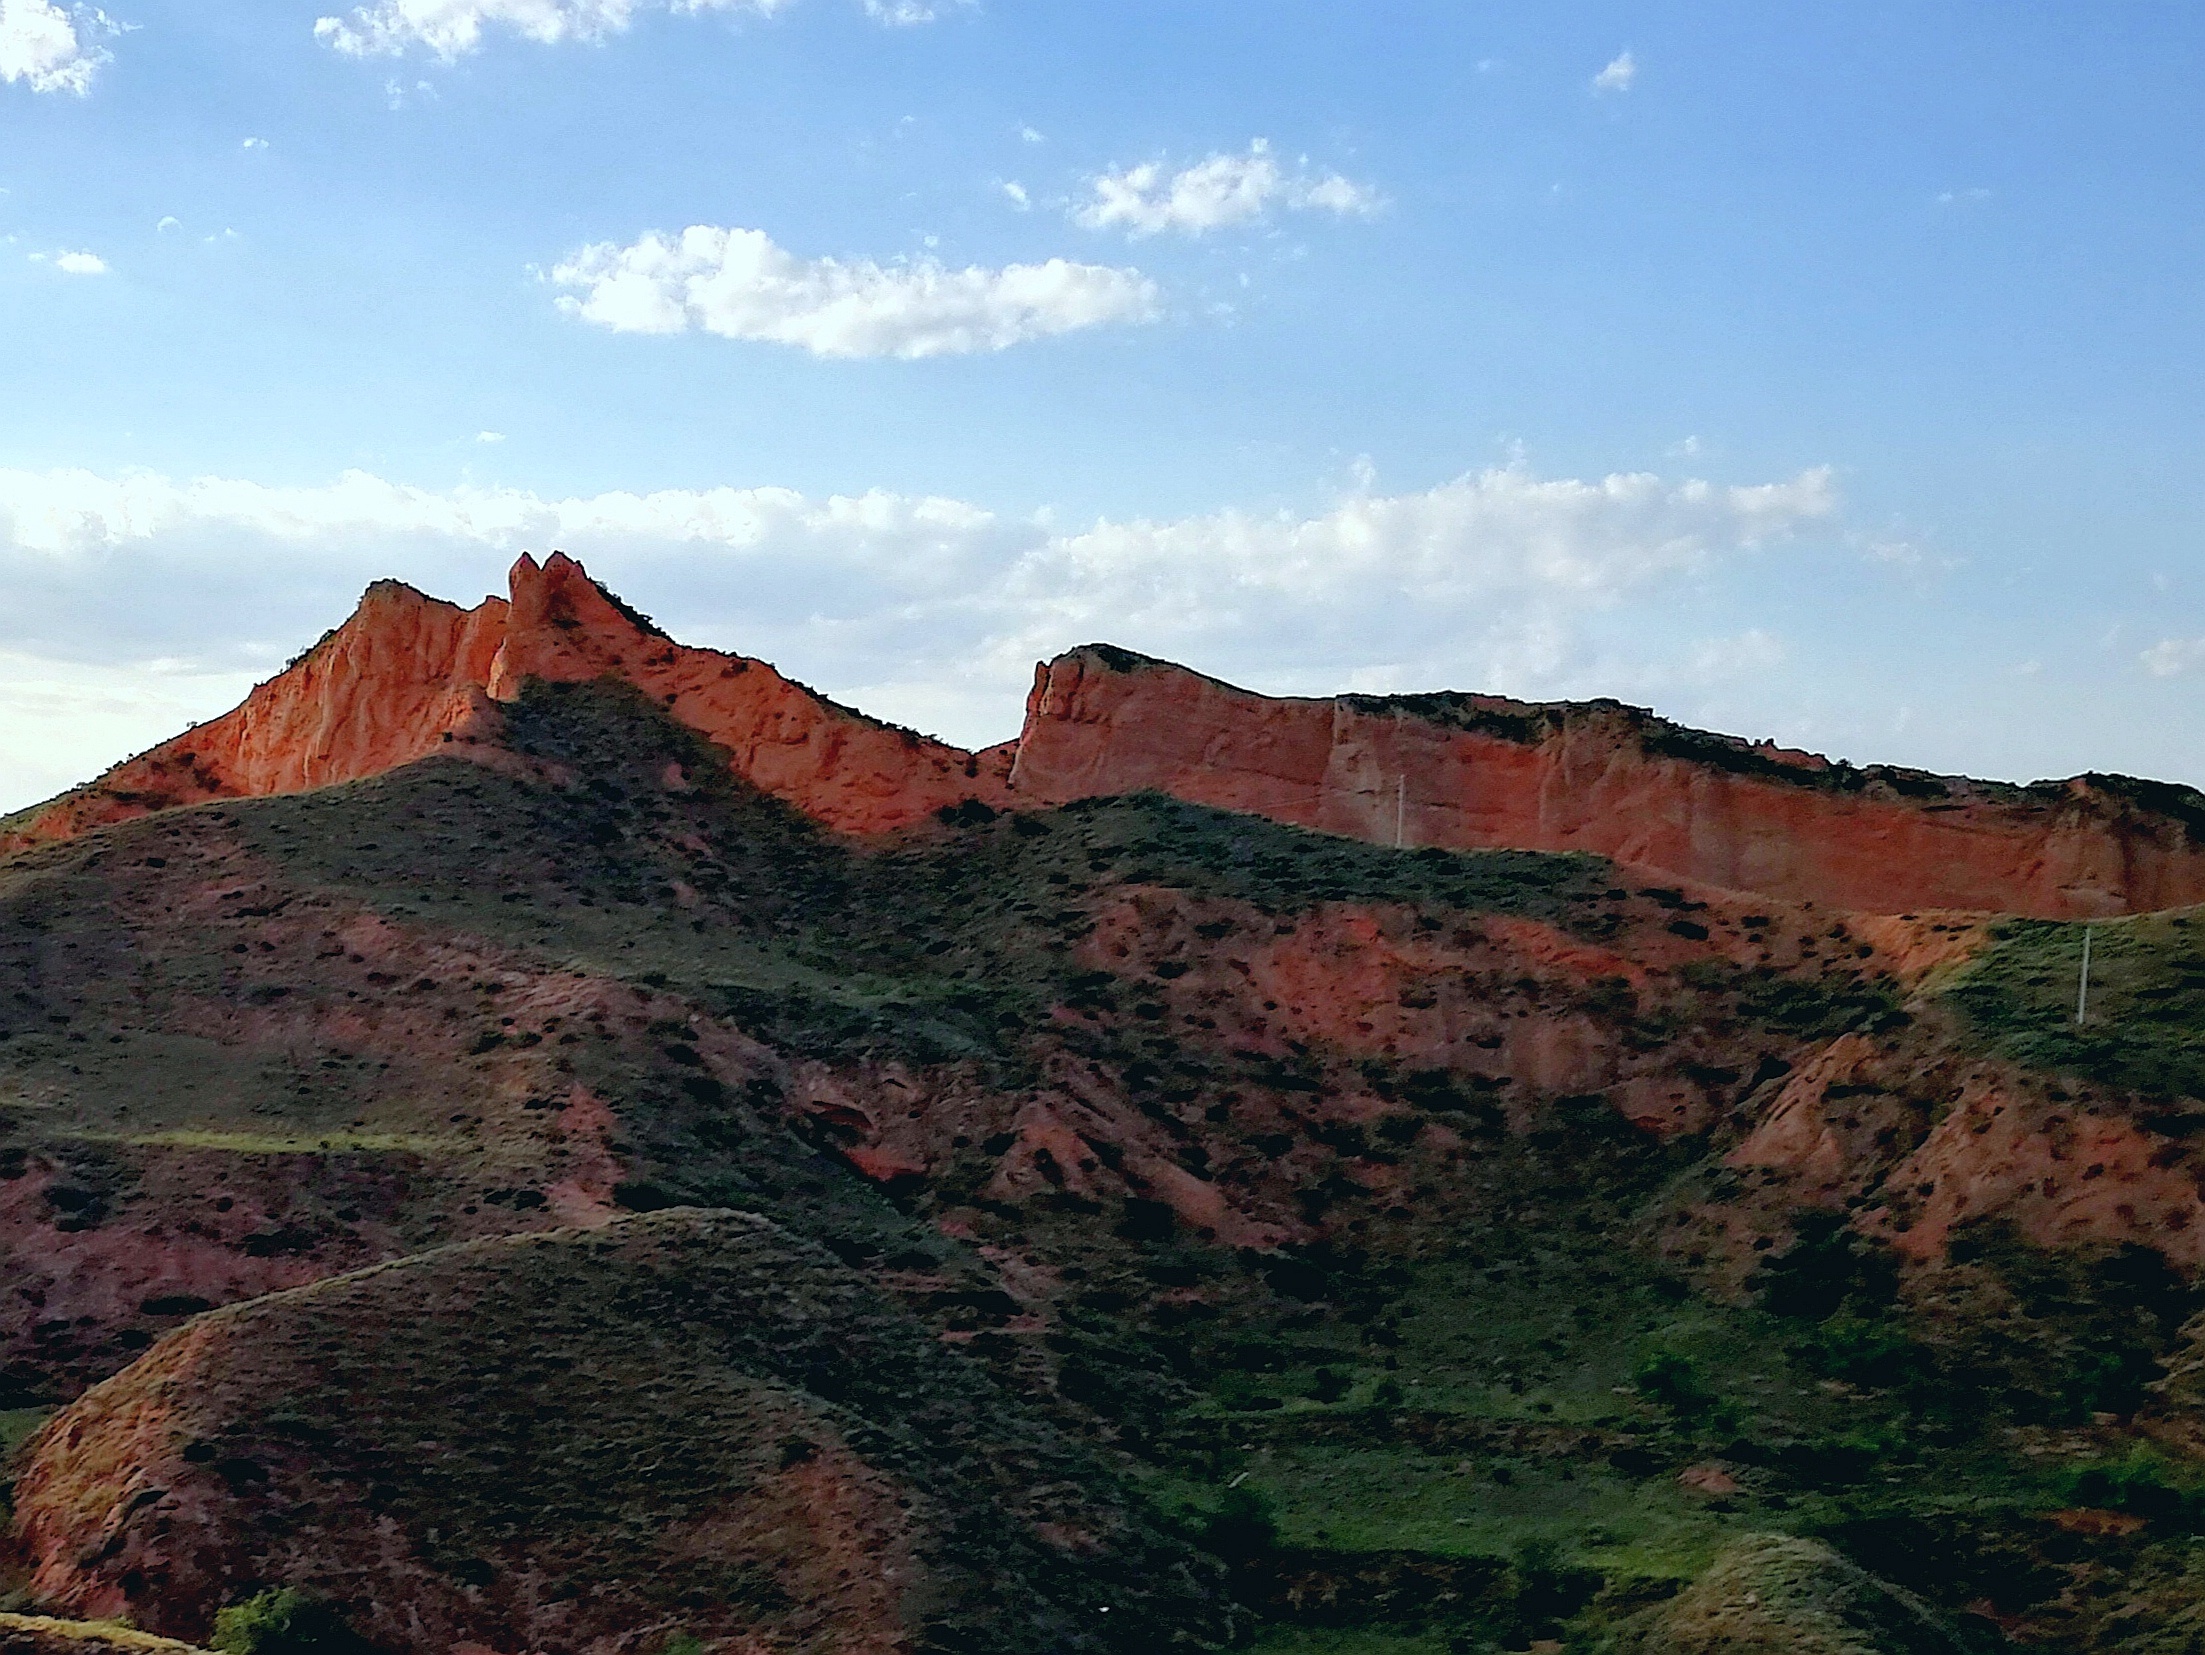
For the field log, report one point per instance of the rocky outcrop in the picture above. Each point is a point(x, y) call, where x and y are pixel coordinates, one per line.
point(407, 676)
point(854, 773)
point(1481, 772)
point(399, 680)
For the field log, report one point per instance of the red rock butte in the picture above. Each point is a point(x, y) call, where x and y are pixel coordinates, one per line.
point(409, 676)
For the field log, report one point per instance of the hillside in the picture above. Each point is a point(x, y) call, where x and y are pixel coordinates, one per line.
point(675, 1425)
point(1374, 1249)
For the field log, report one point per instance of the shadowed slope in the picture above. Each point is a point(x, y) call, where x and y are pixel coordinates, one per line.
point(597, 1440)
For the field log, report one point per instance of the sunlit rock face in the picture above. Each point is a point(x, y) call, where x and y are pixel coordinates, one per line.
point(409, 675)
point(1479, 772)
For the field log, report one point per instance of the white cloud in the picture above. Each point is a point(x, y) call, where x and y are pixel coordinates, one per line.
point(1223, 190)
point(1016, 192)
point(2172, 656)
point(901, 14)
point(80, 264)
point(453, 28)
point(739, 284)
point(924, 609)
point(254, 143)
point(169, 222)
point(1621, 72)
point(54, 713)
point(50, 49)
point(489, 436)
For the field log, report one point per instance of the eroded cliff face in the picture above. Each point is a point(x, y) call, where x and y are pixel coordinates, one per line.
point(408, 675)
point(401, 678)
point(1481, 772)
point(839, 767)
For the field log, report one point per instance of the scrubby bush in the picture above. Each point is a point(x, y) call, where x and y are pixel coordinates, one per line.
point(2142, 1483)
point(1826, 1269)
point(284, 1621)
point(1243, 1527)
point(1866, 1351)
point(1672, 1379)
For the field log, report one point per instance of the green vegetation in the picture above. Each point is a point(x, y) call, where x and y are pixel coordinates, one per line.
point(598, 1404)
point(15, 1425)
point(269, 1143)
point(2145, 1030)
point(1533, 1430)
point(284, 1621)
point(1488, 1399)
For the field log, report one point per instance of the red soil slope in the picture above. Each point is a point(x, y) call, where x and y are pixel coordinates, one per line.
point(408, 675)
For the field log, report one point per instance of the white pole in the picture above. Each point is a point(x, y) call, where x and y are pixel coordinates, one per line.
point(1400, 805)
point(2082, 987)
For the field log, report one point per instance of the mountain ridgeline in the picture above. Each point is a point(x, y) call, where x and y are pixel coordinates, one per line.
point(527, 1138)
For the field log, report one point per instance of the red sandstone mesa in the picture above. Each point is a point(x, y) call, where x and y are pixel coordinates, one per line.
point(1471, 772)
point(408, 675)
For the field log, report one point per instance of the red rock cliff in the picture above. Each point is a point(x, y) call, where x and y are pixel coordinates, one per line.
point(381, 690)
point(406, 673)
point(851, 772)
point(1480, 772)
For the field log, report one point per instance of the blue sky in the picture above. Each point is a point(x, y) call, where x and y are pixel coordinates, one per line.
point(1828, 372)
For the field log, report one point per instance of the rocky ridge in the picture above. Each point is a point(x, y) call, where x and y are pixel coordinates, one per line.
point(408, 675)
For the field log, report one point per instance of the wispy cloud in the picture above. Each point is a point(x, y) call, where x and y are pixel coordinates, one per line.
point(50, 49)
point(903, 14)
point(739, 284)
point(1619, 75)
point(2171, 657)
point(451, 29)
point(1220, 191)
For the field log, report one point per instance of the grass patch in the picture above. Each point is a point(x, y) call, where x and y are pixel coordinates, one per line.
point(2145, 1029)
point(17, 1424)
